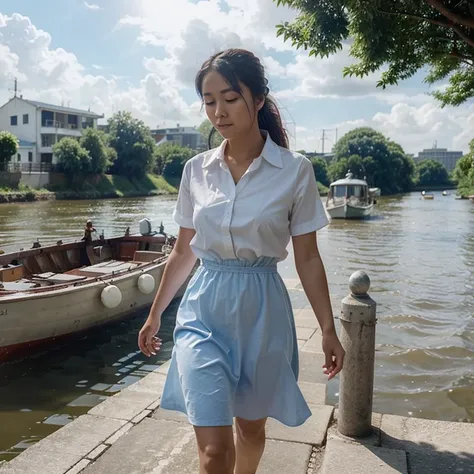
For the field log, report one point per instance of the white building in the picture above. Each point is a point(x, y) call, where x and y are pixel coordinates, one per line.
point(38, 126)
point(183, 136)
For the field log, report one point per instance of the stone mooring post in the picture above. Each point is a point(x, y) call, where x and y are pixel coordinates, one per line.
point(358, 322)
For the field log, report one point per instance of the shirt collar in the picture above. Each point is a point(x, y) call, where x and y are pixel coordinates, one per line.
point(271, 152)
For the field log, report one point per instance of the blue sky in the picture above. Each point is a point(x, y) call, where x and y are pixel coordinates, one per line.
point(142, 56)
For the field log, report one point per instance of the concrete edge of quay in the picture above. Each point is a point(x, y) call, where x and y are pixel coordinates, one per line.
point(105, 435)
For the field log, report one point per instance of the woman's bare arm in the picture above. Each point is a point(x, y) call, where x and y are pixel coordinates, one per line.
point(310, 268)
point(178, 267)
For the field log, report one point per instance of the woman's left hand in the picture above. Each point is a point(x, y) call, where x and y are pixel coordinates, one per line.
point(334, 353)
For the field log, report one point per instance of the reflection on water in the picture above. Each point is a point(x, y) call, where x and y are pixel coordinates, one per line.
point(418, 254)
point(42, 393)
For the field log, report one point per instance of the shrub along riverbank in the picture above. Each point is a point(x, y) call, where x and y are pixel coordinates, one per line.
point(102, 186)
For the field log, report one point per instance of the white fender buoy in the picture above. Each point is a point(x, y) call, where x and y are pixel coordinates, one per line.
point(111, 296)
point(146, 284)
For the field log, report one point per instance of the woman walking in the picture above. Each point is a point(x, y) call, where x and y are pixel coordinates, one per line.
point(235, 352)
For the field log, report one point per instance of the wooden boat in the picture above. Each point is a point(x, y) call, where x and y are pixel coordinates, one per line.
point(54, 291)
point(349, 198)
point(425, 195)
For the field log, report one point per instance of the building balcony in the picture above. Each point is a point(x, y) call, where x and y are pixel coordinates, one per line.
point(45, 149)
point(57, 128)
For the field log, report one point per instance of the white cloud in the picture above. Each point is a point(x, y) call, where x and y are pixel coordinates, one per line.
point(189, 33)
point(55, 75)
point(323, 78)
point(163, 23)
point(92, 6)
point(413, 127)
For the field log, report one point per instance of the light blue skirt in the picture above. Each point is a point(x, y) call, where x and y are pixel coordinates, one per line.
point(235, 350)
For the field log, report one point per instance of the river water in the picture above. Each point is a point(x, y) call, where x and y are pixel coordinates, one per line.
point(419, 255)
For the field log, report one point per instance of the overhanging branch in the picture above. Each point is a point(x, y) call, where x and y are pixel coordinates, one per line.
point(463, 35)
point(444, 24)
point(453, 16)
point(417, 17)
point(462, 59)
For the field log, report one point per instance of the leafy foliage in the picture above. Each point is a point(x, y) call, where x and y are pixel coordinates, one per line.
point(463, 174)
point(206, 128)
point(172, 158)
point(8, 146)
point(367, 153)
point(430, 172)
point(133, 143)
point(95, 142)
point(320, 168)
point(72, 158)
point(405, 35)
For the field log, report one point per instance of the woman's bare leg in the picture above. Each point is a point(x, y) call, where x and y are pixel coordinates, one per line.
point(216, 449)
point(250, 445)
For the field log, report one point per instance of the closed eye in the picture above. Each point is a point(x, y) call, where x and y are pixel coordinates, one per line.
point(231, 100)
point(209, 103)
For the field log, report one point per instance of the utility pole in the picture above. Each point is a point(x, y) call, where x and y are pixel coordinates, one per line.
point(323, 137)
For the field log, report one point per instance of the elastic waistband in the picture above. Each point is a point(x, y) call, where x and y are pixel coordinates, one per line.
point(239, 266)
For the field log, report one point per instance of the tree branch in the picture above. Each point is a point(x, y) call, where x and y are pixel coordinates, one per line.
point(463, 35)
point(417, 17)
point(462, 59)
point(453, 16)
point(442, 23)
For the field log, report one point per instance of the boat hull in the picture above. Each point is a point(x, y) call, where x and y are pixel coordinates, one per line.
point(348, 211)
point(31, 319)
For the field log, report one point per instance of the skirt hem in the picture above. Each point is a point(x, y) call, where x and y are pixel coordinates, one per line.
point(203, 423)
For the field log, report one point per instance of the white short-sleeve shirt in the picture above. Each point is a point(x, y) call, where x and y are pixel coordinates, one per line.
point(275, 199)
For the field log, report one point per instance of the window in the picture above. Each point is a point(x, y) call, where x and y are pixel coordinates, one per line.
point(47, 118)
point(18, 157)
point(87, 122)
point(14, 120)
point(30, 157)
point(26, 119)
point(47, 140)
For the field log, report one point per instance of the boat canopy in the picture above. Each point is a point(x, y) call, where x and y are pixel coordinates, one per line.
point(349, 181)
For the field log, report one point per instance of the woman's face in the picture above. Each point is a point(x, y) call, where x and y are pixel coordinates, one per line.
point(232, 114)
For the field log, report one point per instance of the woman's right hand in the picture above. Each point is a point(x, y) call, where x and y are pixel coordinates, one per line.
point(148, 342)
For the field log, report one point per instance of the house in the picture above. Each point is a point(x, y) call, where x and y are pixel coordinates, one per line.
point(39, 126)
point(183, 136)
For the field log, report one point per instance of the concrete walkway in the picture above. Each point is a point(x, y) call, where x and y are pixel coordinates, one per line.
point(129, 433)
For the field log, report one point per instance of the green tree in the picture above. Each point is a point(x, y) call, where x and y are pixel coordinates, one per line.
point(367, 153)
point(361, 168)
point(320, 168)
point(8, 146)
point(431, 173)
point(205, 128)
point(402, 35)
point(133, 143)
point(95, 142)
point(172, 158)
point(72, 158)
point(463, 174)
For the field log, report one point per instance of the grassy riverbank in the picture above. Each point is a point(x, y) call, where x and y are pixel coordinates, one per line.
point(24, 194)
point(92, 187)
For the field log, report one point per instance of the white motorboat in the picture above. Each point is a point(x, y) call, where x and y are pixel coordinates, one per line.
point(349, 198)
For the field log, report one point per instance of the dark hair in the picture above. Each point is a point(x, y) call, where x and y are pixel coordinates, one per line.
point(239, 65)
